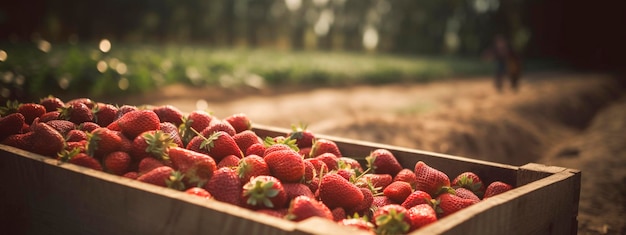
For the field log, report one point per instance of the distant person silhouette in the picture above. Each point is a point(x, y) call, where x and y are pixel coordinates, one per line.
point(508, 63)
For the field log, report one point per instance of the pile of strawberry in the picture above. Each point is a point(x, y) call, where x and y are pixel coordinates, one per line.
point(295, 176)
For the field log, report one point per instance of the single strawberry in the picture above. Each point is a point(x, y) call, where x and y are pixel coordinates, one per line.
point(246, 138)
point(136, 122)
point(102, 141)
point(86, 101)
point(420, 216)
point(392, 219)
point(11, 124)
point(319, 166)
point(335, 191)
point(193, 123)
point(330, 159)
point(471, 181)
point(305, 152)
point(230, 161)
point(264, 192)
point(358, 223)
point(148, 164)
point(131, 175)
point(124, 109)
point(251, 166)
point(225, 186)
point(430, 180)
point(304, 138)
point(380, 201)
point(151, 144)
point(78, 158)
point(76, 112)
point(382, 161)
point(364, 206)
point(375, 182)
point(347, 173)
point(239, 121)
point(338, 213)
point(117, 163)
point(256, 149)
point(417, 197)
point(75, 136)
point(51, 103)
point(168, 113)
point(31, 111)
point(398, 191)
point(20, 141)
point(218, 145)
point(466, 194)
point(272, 146)
point(352, 163)
point(297, 189)
point(197, 191)
point(217, 125)
point(286, 165)
point(196, 167)
point(309, 171)
point(448, 204)
point(303, 207)
point(406, 175)
point(324, 146)
point(171, 129)
point(163, 176)
point(49, 116)
point(46, 140)
point(81, 145)
point(90, 126)
point(104, 114)
point(496, 188)
point(62, 126)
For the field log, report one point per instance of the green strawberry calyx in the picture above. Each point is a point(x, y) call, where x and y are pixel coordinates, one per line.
point(158, 143)
point(260, 191)
point(392, 223)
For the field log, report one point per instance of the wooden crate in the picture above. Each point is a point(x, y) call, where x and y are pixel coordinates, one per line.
point(41, 196)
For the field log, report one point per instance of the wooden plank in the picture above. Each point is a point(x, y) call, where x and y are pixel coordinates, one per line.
point(534, 208)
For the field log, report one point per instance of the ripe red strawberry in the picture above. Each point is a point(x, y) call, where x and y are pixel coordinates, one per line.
point(338, 214)
point(131, 175)
point(76, 112)
point(151, 144)
point(264, 192)
point(346, 162)
point(324, 146)
point(78, 158)
point(11, 124)
point(297, 189)
point(256, 149)
point(163, 176)
point(448, 203)
point(364, 206)
point(80, 145)
point(382, 161)
point(230, 161)
point(124, 109)
point(90, 126)
point(218, 125)
point(197, 191)
point(319, 166)
point(398, 191)
point(496, 188)
point(168, 113)
point(104, 114)
point(347, 174)
point(330, 159)
point(31, 111)
point(239, 121)
point(309, 171)
point(380, 201)
point(286, 165)
point(335, 191)
point(273, 146)
point(304, 138)
point(86, 101)
point(21, 141)
point(136, 122)
point(196, 167)
point(374, 182)
point(170, 129)
point(117, 163)
point(430, 180)
point(417, 197)
point(225, 186)
point(303, 207)
point(75, 136)
point(392, 219)
point(251, 166)
point(46, 140)
point(193, 123)
point(148, 164)
point(466, 193)
point(49, 116)
point(218, 145)
point(102, 141)
point(358, 223)
point(406, 175)
point(246, 138)
point(471, 181)
point(421, 215)
point(62, 126)
point(51, 103)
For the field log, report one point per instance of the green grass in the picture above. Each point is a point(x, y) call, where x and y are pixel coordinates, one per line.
point(72, 69)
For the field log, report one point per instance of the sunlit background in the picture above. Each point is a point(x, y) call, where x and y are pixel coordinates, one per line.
point(100, 48)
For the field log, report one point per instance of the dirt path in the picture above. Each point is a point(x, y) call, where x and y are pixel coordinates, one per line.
point(568, 120)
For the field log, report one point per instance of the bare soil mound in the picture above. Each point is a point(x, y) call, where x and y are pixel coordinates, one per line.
point(562, 119)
